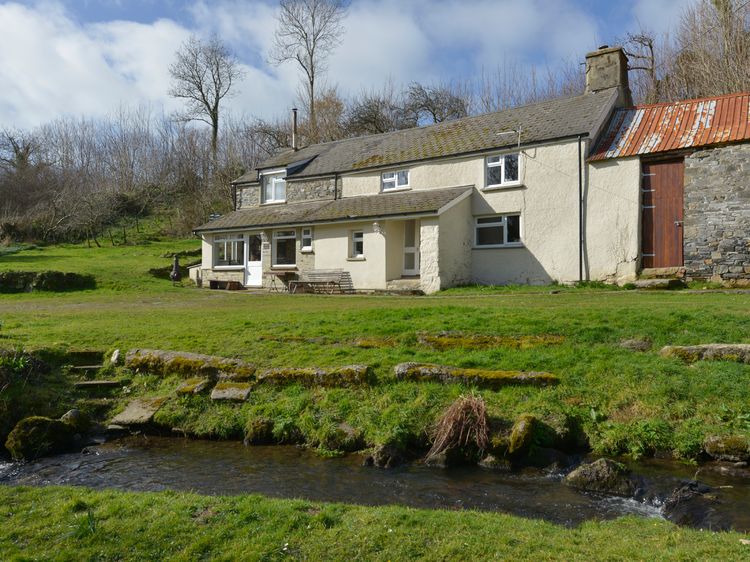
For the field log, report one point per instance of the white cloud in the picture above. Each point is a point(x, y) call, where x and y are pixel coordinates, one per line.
point(660, 16)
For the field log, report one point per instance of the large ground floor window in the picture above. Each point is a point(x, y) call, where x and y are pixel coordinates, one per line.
point(498, 231)
point(229, 250)
point(284, 247)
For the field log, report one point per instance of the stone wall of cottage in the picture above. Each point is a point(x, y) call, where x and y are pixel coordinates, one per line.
point(248, 196)
point(310, 190)
point(717, 215)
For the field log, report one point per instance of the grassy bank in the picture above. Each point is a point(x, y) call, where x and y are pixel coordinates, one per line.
point(78, 524)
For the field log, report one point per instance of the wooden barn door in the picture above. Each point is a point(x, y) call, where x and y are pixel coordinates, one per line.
point(662, 215)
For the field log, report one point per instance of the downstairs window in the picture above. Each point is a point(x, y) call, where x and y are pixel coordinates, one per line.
point(229, 250)
point(498, 231)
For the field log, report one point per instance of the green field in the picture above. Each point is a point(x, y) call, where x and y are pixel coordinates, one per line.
point(626, 402)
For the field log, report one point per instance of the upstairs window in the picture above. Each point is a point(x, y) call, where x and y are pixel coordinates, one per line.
point(502, 170)
point(395, 180)
point(498, 231)
point(229, 250)
point(274, 188)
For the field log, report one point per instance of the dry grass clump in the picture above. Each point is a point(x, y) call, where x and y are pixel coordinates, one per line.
point(462, 426)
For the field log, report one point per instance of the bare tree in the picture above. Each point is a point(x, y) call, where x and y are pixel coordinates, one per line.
point(437, 103)
point(202, 75)
point(308, 32)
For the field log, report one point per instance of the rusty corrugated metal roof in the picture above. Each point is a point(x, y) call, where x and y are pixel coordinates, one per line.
point(651, 129)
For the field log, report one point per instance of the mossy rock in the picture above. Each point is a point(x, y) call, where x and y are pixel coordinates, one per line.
point(38, 436)
point(341, 437)
point(189, 365)
point(193, 385)
point(733, 448)
point(78, 421)
point(492, 462)
point(522, 435)
point(348, 376)
point(235, 391)
point(259, 431)
point(375, 342)
point(452, 340)
point(738, 353)
point(427, 372)
point(604, 476)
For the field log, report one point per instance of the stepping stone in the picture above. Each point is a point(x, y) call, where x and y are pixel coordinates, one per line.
point(236, 391)
point(659, 284)
point(139, 412)
point(95, 385)
point(193, 386)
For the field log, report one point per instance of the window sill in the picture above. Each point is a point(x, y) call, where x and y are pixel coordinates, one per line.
point(273, 203)
point(498, 246)
point(395, 189)
point(284, 267)
point(356, 259)
point(303, 251)
point(229, 267)
point(504, 187)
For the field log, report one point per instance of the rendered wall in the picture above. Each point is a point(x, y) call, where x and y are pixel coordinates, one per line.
point(456, 238)
point(332, 252)
point(612, 219)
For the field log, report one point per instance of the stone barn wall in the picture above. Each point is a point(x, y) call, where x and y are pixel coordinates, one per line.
point(717, 215)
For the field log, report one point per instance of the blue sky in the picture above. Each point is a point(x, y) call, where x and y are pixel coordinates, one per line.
point(90, 57)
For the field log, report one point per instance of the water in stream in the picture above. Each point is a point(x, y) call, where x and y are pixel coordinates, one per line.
point(229, 468)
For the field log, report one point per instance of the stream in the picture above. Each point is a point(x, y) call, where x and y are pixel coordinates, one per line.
point(229, 468)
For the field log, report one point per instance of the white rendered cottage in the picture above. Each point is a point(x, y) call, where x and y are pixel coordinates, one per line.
point(505, 197)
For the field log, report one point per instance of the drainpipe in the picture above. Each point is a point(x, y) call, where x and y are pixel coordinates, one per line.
point(335, 185)
point(580, 212)
point(234, 197)
point(294, 128)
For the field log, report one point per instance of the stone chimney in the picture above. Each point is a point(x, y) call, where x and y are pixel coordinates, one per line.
point(607, 68)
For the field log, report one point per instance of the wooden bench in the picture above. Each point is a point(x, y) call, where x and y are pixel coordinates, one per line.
point(323, 281)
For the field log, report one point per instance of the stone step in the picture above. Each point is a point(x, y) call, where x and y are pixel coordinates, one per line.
point(664, 284)
point(85, 368)
point(138, 412)
point(98, 385)
point(662, 273)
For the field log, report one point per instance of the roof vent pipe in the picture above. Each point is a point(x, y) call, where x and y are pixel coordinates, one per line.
point(294, 128)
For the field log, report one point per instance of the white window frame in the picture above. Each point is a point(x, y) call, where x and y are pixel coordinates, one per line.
point(392, 179)
point(272, 178)
point(502, 221)
point(354, 237)
point(277, 235)
point(230, 243)
point(309, 236)
point(498, 161)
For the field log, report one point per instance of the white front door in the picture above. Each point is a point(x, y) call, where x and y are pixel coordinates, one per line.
point(254, 268)
point(411, 248)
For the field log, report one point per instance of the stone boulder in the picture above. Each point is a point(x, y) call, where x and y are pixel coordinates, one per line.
point(636, 344)
point(38, 436)
point(694, 504)
point(603, 476)
point(491, 462)
point(427, 372)
point(522, 435)
point(734, 448)
point(166, 363)
point(78, 421)
point(738, 352)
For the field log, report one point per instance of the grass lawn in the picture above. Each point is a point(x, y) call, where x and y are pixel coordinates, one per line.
point(627, 402)
point(77, 524)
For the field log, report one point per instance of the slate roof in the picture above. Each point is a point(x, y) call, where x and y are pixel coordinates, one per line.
point(663, 127)
point(548, 120)
point(417, 202)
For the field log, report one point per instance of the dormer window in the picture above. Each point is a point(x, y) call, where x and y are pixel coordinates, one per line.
point(274, 187)
point(502, 170)
point(395, 180)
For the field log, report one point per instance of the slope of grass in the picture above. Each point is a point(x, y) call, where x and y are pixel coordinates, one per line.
point(79, 524)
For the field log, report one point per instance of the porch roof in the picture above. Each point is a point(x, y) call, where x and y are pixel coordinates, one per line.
point(417, 202)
